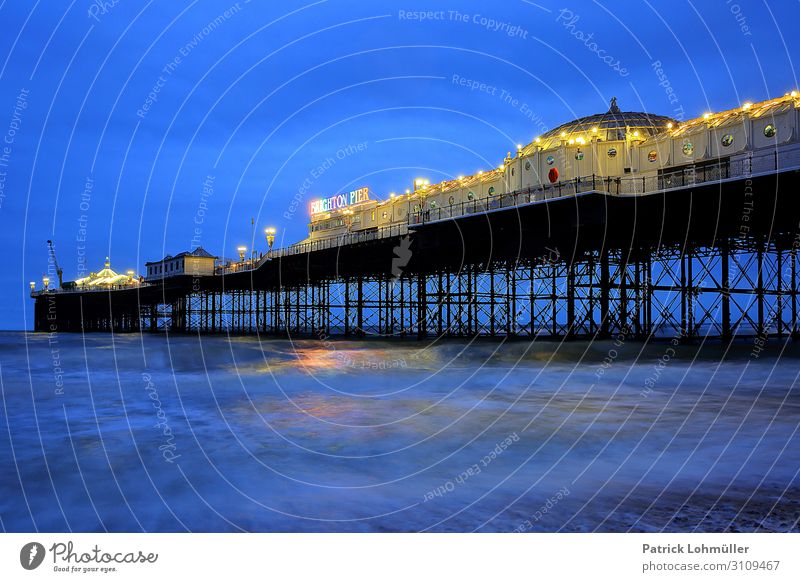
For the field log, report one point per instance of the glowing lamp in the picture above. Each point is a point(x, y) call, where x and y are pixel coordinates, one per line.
point(269, 232)
point(241, 250)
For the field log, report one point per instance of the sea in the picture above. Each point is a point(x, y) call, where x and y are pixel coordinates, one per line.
point(166, 433)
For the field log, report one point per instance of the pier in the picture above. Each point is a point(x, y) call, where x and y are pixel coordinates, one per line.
point(701, 252)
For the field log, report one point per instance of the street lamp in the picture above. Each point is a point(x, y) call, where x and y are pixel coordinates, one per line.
point(270, 234)
point(46, 282)
point(241, 250)
point(33, 286)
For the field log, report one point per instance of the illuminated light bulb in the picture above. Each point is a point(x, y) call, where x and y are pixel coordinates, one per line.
point(461, 177)
point(519, 146)
point(747, 106)
point(563, 134)
point(501, 168)
point(538, 140)
point(793, 93)
point(480, 172)
point(594, 130)
point(706, 115)
point(392, 194)
point(408, 191)
point(669, 125)
point(581, 141)
point(571, 141)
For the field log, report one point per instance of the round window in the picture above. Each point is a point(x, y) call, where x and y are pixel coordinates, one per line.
point(550, 160)
point(527, 166)
point(727, 140)
point(612, 152)
point(688, 149)
point(452, 199)
point(652, 156)
point(491, 189)
point(471, 195)
point(770, 131)
point(579, 156)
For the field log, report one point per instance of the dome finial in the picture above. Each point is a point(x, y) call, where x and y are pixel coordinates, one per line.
point(614, 108)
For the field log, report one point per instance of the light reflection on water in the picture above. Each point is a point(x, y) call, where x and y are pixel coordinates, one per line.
point(403, 436)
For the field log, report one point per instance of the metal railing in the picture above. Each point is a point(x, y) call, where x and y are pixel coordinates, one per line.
point(665, 180)
point(86, 289)
point(301, 248)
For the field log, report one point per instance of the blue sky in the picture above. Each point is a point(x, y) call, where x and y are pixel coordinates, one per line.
point(283, 102)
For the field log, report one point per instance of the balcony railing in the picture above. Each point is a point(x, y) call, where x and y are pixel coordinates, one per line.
point(618, 186)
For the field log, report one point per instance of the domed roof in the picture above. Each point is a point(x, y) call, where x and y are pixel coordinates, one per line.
point(611, 125)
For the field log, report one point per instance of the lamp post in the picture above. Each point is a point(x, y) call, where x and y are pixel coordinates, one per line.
point(269, 232)
point(33, 286)
point(46, 282)
point(242, 250)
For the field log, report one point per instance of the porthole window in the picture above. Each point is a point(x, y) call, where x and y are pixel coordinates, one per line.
point(612, 152)
point(770, 131)
point(452, 199)
point(579, 155)
point(652, 156)
point(527, 166)
point(550, 160)
point(471, 195)
point(727, 140)
point(688, 148)
point(491, 189)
